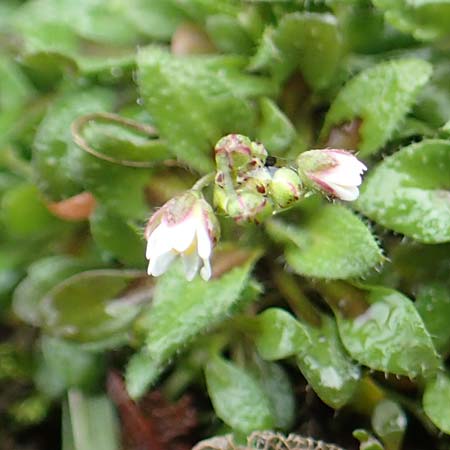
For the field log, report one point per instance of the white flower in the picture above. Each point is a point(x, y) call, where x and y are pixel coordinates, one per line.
point(335, 172)
point(185, 226)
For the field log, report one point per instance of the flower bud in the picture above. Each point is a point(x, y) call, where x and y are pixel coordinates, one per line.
point(285, 187)
point(238, 153)
point(244, 205)
point(185, 226)
point(250, 207)
point(333, 172)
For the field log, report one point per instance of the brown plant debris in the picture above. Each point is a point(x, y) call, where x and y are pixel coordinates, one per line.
point(153, 423)
point(266, 440)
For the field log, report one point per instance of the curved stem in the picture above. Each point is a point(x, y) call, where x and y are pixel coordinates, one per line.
point(204, 181)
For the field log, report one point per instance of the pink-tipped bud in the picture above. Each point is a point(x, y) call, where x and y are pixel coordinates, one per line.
point(333, 172)
point(185, 226)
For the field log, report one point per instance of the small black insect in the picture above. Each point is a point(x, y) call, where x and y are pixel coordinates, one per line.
point(270, 161)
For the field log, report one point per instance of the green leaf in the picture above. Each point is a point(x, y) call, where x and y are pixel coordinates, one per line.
point(420, 263)
point(237, 397)
point(380, 96)
point(278, 389)
point(436, 399)
point(228, 34)
point(118, 237)
point(65, 365)
point(276, 131)
point(120, 140)
point(99, 21)
point(196, 100)
point(119, 189)
point(95, 305)
point(15, 89)
point(24, 214)
point(277, 334)
point(157, 19)
point(53, 147)
point(42, 276)
point(368, 442)
point(424, 19)
point(92, 422)
point(409, 192)
point(433, 305)
point(389, 335)
point(326, 365)
point(389, 423)
point(433, 106)
point(181, 311)
point(141, 372)
point(331, 242)
point(309, 41)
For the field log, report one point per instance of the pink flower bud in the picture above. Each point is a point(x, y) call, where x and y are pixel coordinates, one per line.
point(334, 172)
point(185, 226)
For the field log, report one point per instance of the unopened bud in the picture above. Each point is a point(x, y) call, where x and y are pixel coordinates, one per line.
point(285, 187)
point(333, 172)
point(238, 153)
point(244, 205)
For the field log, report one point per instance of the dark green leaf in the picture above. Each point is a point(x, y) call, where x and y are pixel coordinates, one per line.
point(119, 189)
point(409, 192)
point(117, 236)
point(95, 305)
point(65, 365)
point(42, 276)
point(24, 214)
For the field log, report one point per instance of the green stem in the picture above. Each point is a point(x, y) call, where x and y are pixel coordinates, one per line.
point(204, 182)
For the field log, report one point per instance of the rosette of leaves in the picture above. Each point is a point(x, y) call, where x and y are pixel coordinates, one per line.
point(322, 319)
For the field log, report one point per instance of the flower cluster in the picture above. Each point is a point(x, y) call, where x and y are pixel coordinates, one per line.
point(246, 188)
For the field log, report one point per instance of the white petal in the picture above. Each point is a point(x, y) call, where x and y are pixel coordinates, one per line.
point(182, 234)
point(158, 265)
point(348, 159)
point(347, 193)
point(204, 245)
point(191, 264)
point(205, 272)
point(341, 174)
point(158, 241)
